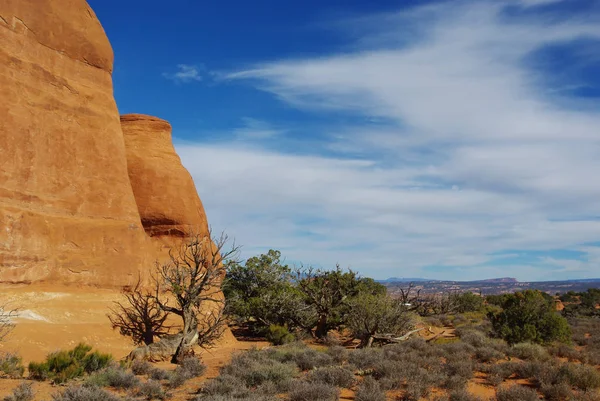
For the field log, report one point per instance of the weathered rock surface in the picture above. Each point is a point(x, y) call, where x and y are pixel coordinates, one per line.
point(68, 213)
point(164, 190)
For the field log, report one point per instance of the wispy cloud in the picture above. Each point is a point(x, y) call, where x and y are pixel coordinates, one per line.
point(475, 157)
point(186, 74)
point(254, 129)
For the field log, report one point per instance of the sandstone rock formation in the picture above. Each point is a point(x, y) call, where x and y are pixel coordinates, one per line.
point(163, 190)
point(68, 213)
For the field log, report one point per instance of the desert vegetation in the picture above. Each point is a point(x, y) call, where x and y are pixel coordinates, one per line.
point(335, 335)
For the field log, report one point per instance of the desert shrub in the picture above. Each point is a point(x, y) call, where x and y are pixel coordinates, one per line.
point(566, 351)
point(485, 354)
point(141, 367)
point(114, 376)
point(335, 375)
point(454, 383)
point(152, 390)
point(255, 367)
point(583, 377)
point(587, 396)
point(542, 372)
point(433, 321)
point(468, 302)
point(557, 392)
point(279, 335)
point(11, 365)
point(337, 353)
point(473, 337)
point(84, 393)
point(462, 395)
point(61, 366)
point(529, 316)
point(304, 357)
point(369, 390)
point(191, 367)
point(497, 373)
point(304, 391)
point(516, 392)
point(457, 350)
point(159, 374)
point(177, 379)
point(528, 351)
point(414, 391)
point(224, 385)
point(373, 314)
point(23, 392)
point(460, 367)
point(365, 358)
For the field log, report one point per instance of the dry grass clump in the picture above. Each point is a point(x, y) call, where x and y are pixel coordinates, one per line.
point(152, 390)
point(23, 392)
point(369, 390)
point(335, 375)
point(305, 391)
point(141, 367)
point(516, 392)
point(114, 376)
point(85, 393)
point(11, 365)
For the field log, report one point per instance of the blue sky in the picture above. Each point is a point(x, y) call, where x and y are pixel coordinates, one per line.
point(452, 140)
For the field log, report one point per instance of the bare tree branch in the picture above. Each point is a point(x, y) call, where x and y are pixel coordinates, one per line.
point(6, 322)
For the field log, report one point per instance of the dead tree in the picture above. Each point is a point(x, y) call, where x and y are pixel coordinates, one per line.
point(189, 286)
point(139, 316)
point(6, 323)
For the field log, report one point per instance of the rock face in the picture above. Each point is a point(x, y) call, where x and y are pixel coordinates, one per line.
point(68, 213)
point(164, 190)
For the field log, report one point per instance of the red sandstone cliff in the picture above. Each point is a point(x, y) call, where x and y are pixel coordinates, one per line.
point(162, 190)
point(68, 213)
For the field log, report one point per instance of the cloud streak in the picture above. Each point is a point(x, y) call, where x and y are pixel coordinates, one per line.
point(186, 74)
point(475, 158)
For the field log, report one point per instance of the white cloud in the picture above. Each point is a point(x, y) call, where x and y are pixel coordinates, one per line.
point(186, 74)
point(477, 158)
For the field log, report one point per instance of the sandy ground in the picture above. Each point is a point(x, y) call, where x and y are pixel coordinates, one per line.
point(52, 318)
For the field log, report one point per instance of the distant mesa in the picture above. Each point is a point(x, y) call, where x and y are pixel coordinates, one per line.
point(86, 196)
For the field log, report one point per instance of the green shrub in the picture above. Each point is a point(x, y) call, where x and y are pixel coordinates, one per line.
point(528, 351)
point(516, 392)
point(304, 391)
point(334, 375)
point(529, 316)
point(279, 335)
point(11, 365)
point(62, 366)
point(23, 392)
